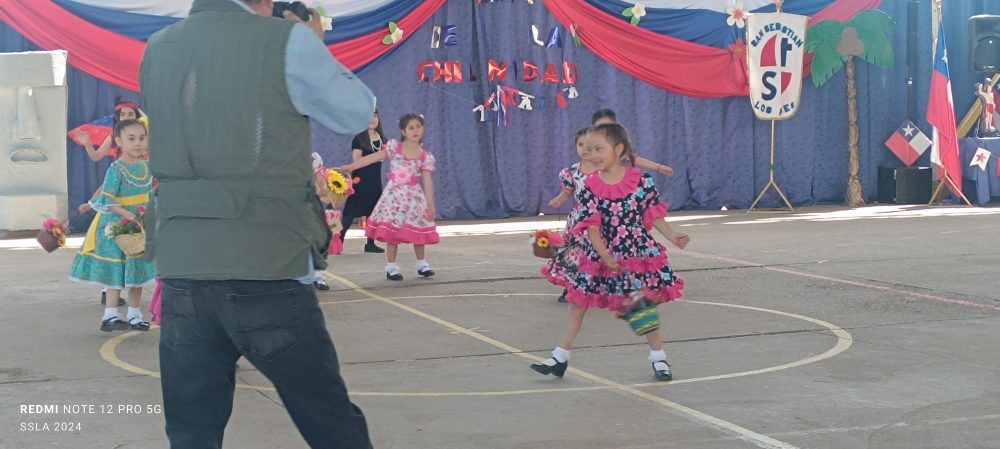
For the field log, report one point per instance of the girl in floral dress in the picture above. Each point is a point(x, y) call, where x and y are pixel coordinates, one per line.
point(619, 205)
point(571, 179)
point(405, 212)
point(124, 195)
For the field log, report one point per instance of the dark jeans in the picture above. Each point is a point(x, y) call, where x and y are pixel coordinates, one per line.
point(279, 327)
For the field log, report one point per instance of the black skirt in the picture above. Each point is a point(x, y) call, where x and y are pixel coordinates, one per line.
point(366, 192)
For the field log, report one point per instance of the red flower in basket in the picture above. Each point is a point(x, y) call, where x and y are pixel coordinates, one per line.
point(141, 209)
point(545, 243)
point(53, 234)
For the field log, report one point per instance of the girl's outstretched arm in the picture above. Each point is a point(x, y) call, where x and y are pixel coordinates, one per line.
point(650, 165)
point(99, 153)
point(364, 161)
point(679, 239)
point(561, 198)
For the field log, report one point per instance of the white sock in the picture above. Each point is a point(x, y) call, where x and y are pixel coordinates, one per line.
point(559, 354)
point(134, 312)
point(110, 312)
point(421, 264)
point(391, 268)
point(657, 356)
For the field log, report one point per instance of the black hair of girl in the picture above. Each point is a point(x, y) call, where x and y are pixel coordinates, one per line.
point(378, 129)
point(120, 126)
point(406, 119)
point(116, 116)
point(616, 134)
point(604, 113)
point(581, 133)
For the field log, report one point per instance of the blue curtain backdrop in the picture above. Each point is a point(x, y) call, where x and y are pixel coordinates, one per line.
point(719, 151)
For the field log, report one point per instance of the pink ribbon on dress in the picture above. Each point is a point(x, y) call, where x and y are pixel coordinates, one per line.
point(403, 177)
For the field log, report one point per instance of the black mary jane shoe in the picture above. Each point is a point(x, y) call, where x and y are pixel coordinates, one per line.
point(113, 324)
point(662, 375)
point(321, 285)
point(373, 248)
point(425, 272)
point(562, 297)
point(138, 325)
point(394, 276)
point(557, 370)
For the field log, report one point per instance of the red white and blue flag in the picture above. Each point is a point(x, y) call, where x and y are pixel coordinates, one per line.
point(908, 143)
point(941, 115)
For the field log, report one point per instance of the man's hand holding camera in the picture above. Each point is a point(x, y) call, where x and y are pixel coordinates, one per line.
point(298, 12)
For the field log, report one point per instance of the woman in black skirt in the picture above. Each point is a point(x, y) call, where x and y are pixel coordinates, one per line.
point(368, 180)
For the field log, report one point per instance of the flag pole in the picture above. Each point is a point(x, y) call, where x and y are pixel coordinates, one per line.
point(946, 179)
point(770, 182)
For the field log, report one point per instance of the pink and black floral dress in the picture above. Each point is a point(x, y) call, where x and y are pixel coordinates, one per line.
point(625, 212)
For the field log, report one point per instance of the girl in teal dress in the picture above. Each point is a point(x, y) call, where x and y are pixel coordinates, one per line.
point(125, 192)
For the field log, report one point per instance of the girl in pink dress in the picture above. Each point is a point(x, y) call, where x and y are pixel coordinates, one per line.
point(405, 212)
point(616, 256)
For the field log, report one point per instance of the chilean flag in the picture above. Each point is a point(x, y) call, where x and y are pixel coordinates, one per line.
point(941, 115)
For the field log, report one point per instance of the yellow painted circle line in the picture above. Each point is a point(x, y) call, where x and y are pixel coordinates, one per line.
point(844, 341)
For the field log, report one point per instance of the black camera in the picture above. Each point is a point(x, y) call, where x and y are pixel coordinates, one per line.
point(297, 8)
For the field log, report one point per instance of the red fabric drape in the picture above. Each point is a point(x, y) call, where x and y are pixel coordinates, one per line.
point(115, 58)
point(673, 64)
point(360, 51)
point(107, 56)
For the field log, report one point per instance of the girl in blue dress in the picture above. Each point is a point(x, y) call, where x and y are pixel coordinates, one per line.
point(124, 195)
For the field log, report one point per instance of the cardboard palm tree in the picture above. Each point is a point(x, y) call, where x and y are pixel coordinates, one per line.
point(834, 45)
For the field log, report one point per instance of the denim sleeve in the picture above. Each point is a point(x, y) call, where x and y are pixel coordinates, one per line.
point(322, 88)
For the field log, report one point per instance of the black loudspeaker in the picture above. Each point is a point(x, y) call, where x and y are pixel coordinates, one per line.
point(905, 185)
point(984, 43)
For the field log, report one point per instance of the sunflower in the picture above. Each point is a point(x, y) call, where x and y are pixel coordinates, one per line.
point(542, 242)
point(336, 182)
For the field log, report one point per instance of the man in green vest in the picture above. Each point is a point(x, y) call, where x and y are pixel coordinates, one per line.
point(238, 229)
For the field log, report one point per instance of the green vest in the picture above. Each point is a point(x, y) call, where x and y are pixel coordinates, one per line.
point(236, 197)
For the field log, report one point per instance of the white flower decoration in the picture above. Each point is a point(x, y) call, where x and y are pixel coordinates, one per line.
point(395, 34)
point(107, 231)
point(736, 15)
point(636, 12)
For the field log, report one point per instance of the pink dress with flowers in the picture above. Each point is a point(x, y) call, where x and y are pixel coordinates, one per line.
point(625, 213)
point(401, 213)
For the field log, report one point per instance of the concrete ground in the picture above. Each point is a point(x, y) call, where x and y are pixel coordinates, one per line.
point(827, 328)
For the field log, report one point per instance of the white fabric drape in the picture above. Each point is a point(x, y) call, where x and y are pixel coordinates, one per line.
point(180, 8)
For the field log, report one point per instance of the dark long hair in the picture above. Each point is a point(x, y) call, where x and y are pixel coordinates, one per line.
point(367, 141)
point(617, 134)
point(603, 113)
point(406, 119)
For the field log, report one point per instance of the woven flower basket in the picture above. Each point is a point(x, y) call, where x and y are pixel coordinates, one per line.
point(545, 253)
point(133, 245)
point(640, 314)
point(48, 240)
point(644, 320)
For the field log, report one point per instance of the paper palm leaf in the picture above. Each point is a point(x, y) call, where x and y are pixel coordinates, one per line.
point(822, 40)
point(873, 27)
